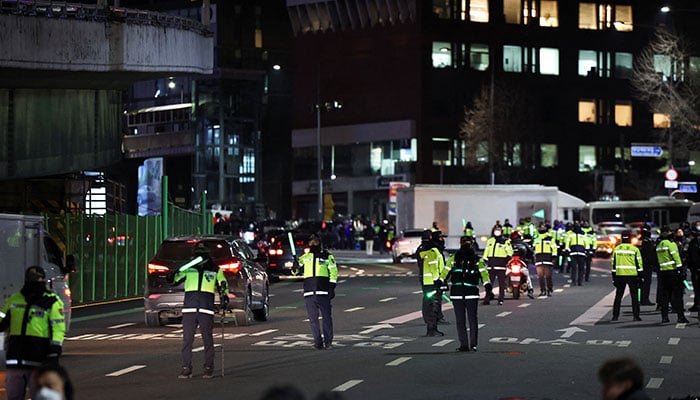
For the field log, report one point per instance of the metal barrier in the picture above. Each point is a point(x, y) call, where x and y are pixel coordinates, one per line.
point(113, 249)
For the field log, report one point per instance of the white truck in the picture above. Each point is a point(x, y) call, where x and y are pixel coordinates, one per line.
point(451, 206)
point(23, 243)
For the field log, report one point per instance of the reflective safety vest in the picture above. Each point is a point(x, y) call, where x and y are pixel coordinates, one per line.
point(468, 232)
point(592, 239)
point(496, 254)
point(576, 243)
point(320, 272)
point(201, 283)
point(545, 250)
point(668, 255)
point(433, 265)
point(33, 329)
point(507, 229)
point(465, 276)
point(626, 260)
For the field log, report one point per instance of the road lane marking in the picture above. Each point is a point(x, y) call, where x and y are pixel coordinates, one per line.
point(417, 292)
point(264, 332)
point(443, 343)
point(674, 341)
point(126, 370)
point(594, 314)
point(558, 290)
point(121, 325)
point(201, 348)
point(387, 299)
point(567, 285)
point(347, 385)
point(655, 383)
point(666, 359)
point(681, 325)
point(110, 336)
point(354, 309)
point(297, 290)
point(504, 313)
point(398, 361)
point(402, 319)
point(525, 305)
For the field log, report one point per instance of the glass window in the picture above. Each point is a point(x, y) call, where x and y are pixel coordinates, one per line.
point(441, 8)
point(512, 59)
point(662, 65)
point(549, 61)
point(375, 159)
point(482, 152)
point(479, 57)
point(586, 111)
point(587, 16)
point(548, 155)
point(662, 121)
point(549, 15)
point(587, 62)
point(442, 153)
point(586, 158)
point(512, 11)
point(479, 10)
point(442, 54)
point(623, 113)
point(623, 18)
point(623, 65)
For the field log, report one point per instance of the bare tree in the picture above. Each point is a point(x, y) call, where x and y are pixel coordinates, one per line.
point(662, 78)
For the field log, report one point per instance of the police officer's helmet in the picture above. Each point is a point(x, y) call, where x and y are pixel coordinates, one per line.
point(626, 236)
point(666, 231)
point(425, 236)
point(201, 249)
point(542, 228)
point(519, 249)
point(514, 235)
point(466, 241)
point(35, 274)
point(437, 237)
point(314, 238)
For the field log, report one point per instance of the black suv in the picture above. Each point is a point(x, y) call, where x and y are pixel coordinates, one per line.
point(249, 287)
point(276, 245)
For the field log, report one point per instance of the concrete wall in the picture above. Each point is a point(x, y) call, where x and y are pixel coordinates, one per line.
point(36, 43)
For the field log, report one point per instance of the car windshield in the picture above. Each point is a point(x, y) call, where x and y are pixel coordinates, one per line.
point(612, 230)
point(184, 250)
point(412, 234)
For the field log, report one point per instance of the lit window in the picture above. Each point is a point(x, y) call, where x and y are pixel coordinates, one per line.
point(548, 155)
point(441, 8)
point(623, 65)
point(512, 11)
point(586, 111)
point(479, 57)
point(586, 158)
point(512, 59)
point(442, 152)
point(662, 121)
point(442, 54)
point(623, 113)
point(511, 154)
point(623, 18)
point(587, 63)
point(258, 39)
point(587, 16)
point(375, 159)
point(549, 15)
point(482, 152)
point(479, 10)
point(549, 61)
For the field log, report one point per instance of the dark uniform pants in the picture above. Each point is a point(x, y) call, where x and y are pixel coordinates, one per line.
point(671, 287)
point(620, 283)
point(589, 259)
point(431, 307)
point(544, 273)
point(190, 320)
point(466, 310)
point(646, 285)
point(501, 275)
point(16, 382)
point(314, 304)
point(578, 267)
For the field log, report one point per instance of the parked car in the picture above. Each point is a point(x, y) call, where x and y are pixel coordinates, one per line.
point(406, 244)
point(249, 286)
point(277, 249)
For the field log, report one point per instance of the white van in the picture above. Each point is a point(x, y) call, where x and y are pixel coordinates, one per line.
point(694, 213)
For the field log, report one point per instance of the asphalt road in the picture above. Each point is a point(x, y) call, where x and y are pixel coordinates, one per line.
point(546, 348)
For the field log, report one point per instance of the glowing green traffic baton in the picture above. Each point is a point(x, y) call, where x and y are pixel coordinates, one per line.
point(191, 263)
point(687, 285)
point(295, 268)
point(447, 298)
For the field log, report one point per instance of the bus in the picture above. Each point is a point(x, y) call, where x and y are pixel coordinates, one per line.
point(659, 210)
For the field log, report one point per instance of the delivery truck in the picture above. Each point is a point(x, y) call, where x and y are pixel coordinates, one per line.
point(452, 206)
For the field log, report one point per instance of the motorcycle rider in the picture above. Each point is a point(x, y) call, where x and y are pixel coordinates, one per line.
point(521, 247)
point(464, 271)
point(647, 247)
point(496, 254)
point(626, 266)
point(671, 276)
point(545, 256)
point(431, 265)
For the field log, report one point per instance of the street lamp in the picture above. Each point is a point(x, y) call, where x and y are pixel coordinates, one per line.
point(329, 105)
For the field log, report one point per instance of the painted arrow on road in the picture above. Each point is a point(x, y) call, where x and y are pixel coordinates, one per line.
point(569, 332)
point(374, 328)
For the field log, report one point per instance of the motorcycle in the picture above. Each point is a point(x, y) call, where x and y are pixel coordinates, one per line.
point(516, 279)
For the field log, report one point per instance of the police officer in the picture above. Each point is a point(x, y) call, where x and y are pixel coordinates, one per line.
point(648, 249)
point(626, 267)
point(431, 266)
point(590, 250)
point(545, 256)
point(320, 278)
point(507, 228)
point(671, 276)
point(496, 254)
point(464, 271)
point(202, 280)
point(34, 316)
point(577, 245)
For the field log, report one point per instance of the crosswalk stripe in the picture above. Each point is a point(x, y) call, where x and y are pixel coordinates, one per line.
point(126, 370)
point(398, 361)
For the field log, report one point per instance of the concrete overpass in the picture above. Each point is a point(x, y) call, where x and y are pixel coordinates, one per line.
point(62, 70)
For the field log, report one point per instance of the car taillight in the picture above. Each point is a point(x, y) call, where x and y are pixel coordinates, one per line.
point(276, 252)
point(233, 267)
point(403, 242)
point(157, 268)
point(67, 292)
point(612, 239)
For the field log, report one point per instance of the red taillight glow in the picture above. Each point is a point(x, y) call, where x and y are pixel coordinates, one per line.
point(635, 241)
point(403, 242)
point(154, 296)
point(156, 268)
point(612, 239)
point(233, 267)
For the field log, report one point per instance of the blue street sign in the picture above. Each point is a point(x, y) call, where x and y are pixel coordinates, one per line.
point(646, 151)
point(688, 187)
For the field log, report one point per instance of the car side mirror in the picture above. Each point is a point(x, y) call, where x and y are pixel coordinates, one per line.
point(71, 264)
